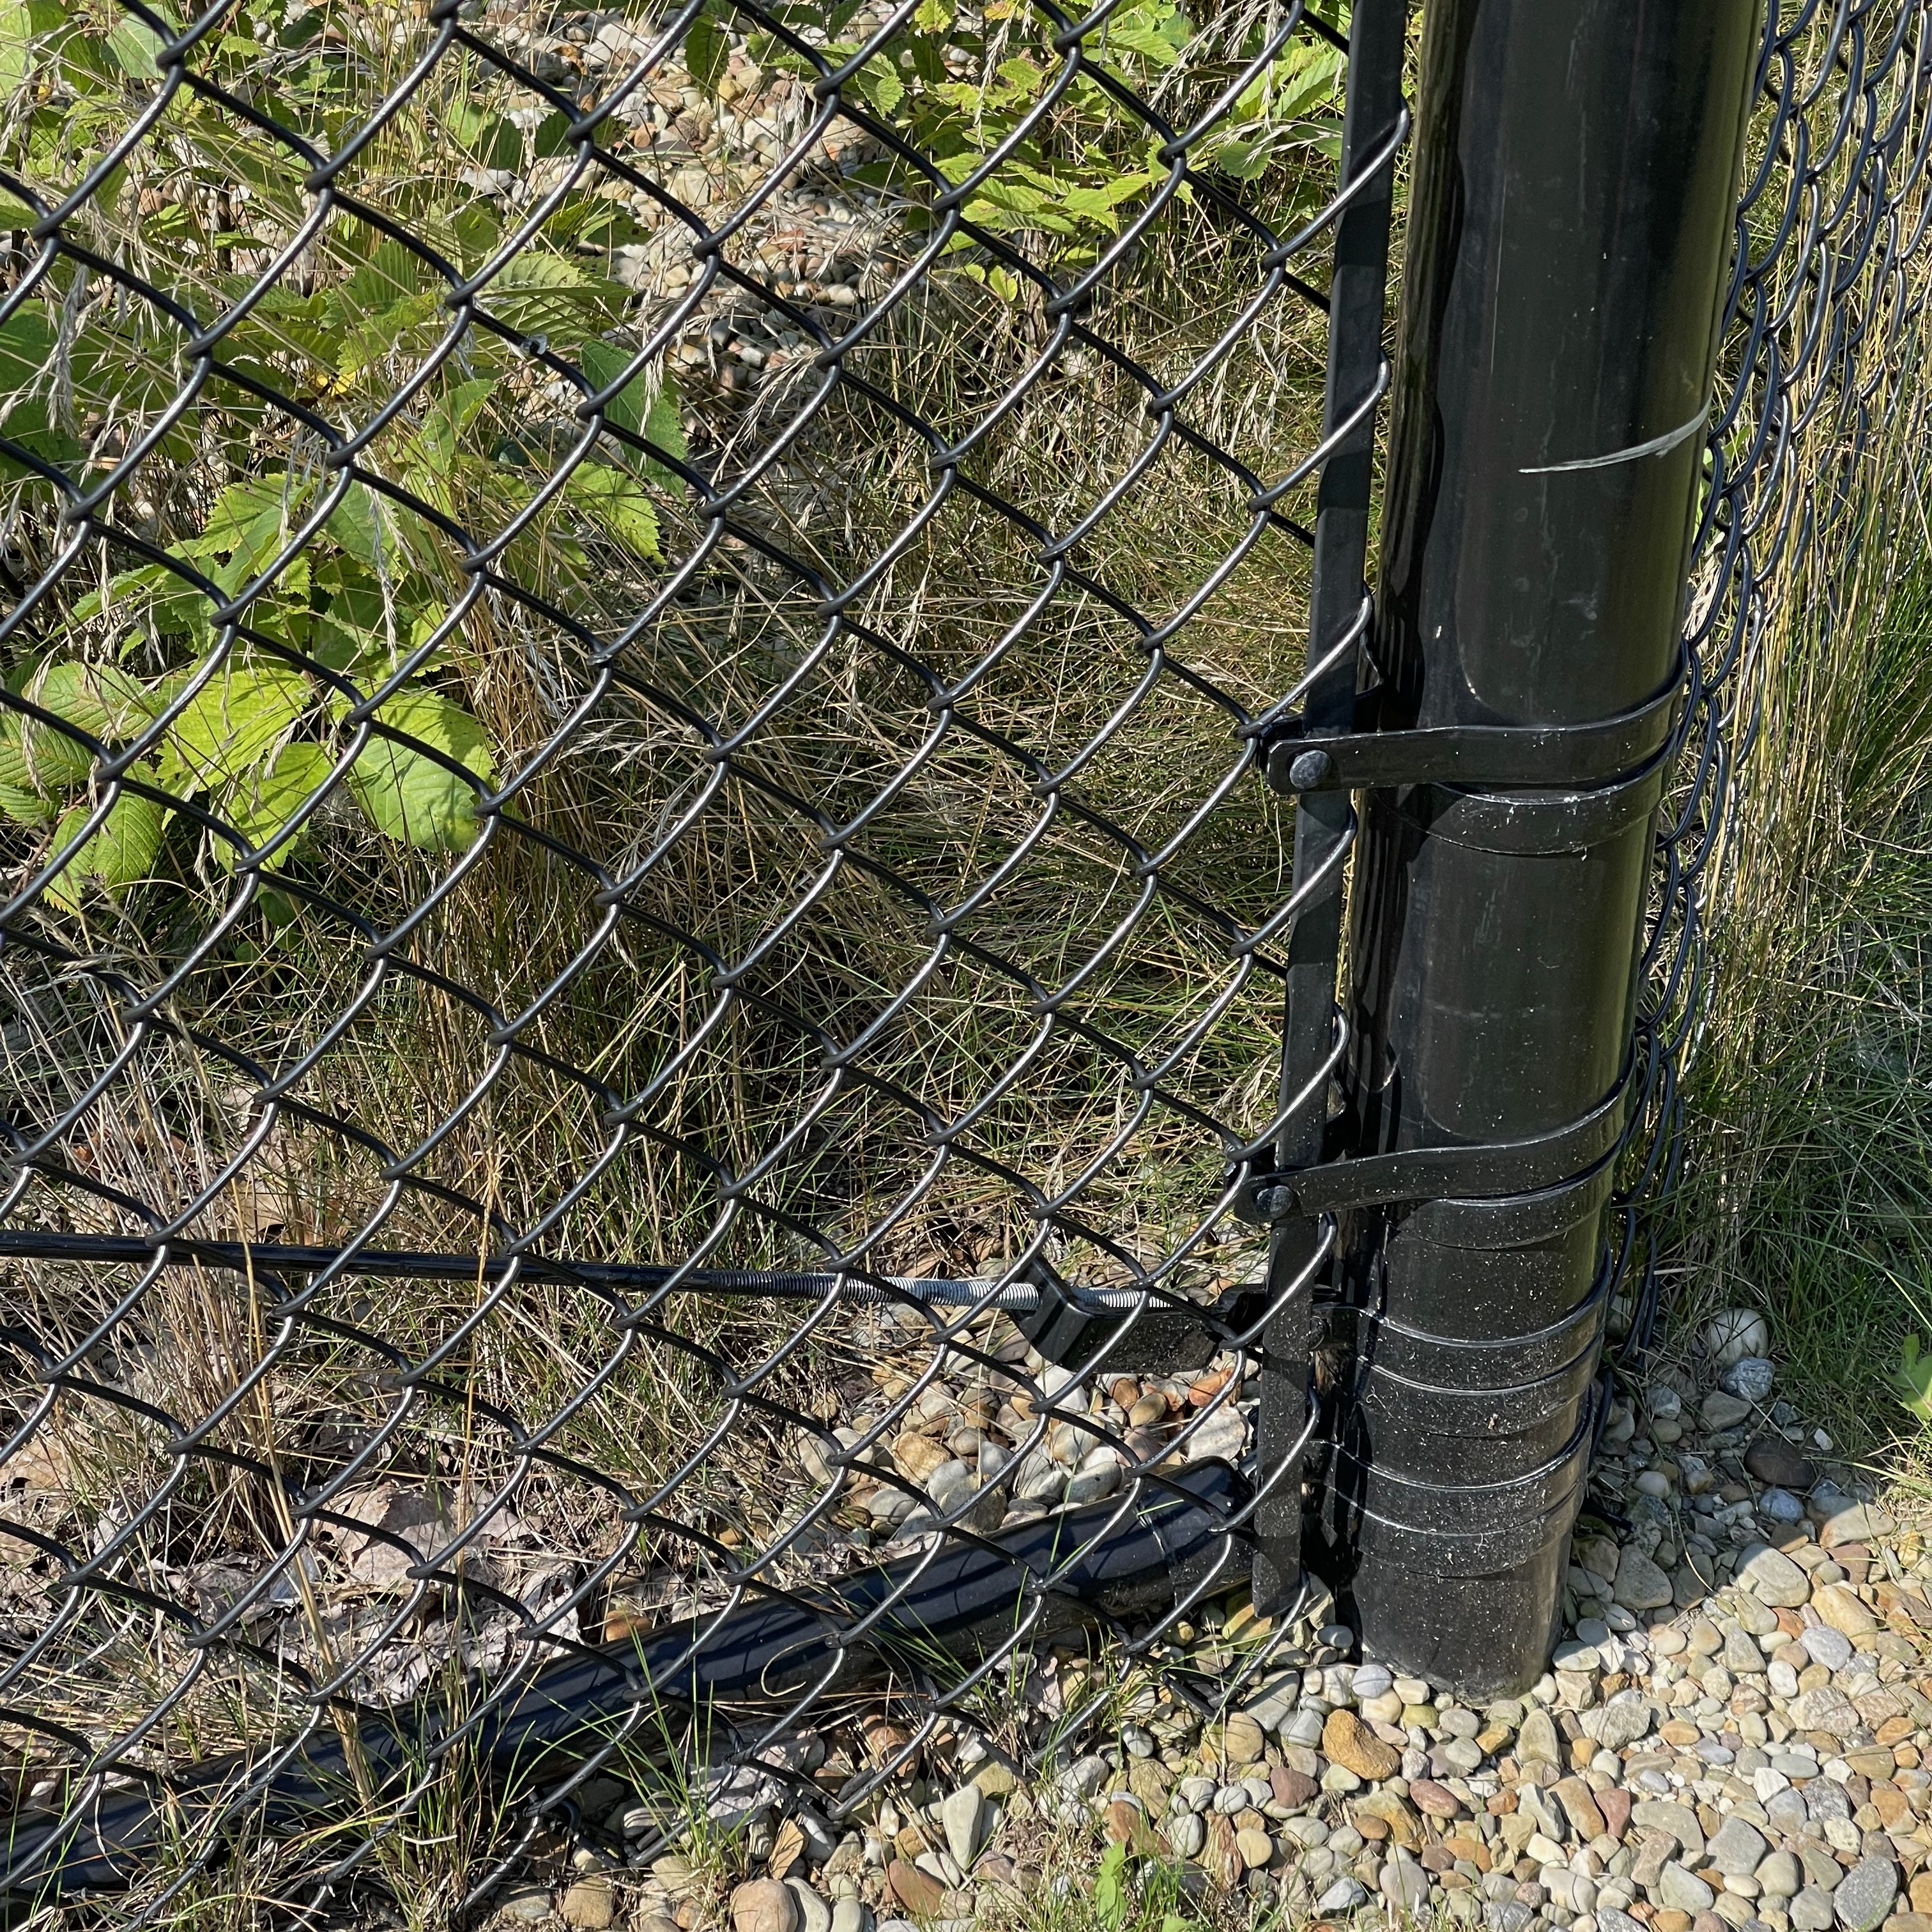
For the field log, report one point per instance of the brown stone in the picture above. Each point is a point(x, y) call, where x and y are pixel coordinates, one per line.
point(1438, 1801)
point(1127, 1825)
point(1371, 1828)
point(1683, 1734)
point(764, 1905)
point(1291, 1787)
point(1841, 1607)
point(1349, 1743)
point(1772, 1459)
point(1920, 1891)
point(918, 1456)
point(1472, 1851)
point(787, 1850)
point(1889, 1802)
point(1615, 1804)
point(1438, 1859)
point(919, 1893)
point(1671, 1922)
point(1243, 1740)
point(1220, 1856)
point(1403, 1826)
point(1908, 1922)
point(589, 1905)
point(1579, 1806)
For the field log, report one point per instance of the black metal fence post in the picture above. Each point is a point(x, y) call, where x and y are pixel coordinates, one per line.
point(1569, 227)
point(1374, 128)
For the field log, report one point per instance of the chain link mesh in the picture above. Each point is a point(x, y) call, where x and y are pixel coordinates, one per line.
point(635, 645)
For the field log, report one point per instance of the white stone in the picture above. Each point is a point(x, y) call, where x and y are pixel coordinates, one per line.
point(815, 1915)
point(1736, 1333)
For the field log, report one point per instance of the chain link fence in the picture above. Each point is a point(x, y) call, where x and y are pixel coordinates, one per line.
point(640, 645)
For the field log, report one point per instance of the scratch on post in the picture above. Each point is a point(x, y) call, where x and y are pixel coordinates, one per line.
point(1656, 446)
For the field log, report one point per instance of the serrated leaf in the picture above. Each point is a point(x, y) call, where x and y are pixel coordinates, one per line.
point(103, 700)
point(705, 52)
point(268, 797)
point(26, 808)
point(619, 503)
point(122, 851)
point(411, 797)
point(230, 727)
point(547, 296)
point(659, 418)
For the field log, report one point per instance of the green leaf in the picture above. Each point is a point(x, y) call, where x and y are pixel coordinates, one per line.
point(120, 852)
point(660, 418)
point(134, 45)
point(545, 295)
point(231, 726)
point(409, 796)
point(359, 523)
point(170, 604)
point(619, 503)
point(1911, 1379)
point(445, 420)
point(24, 807)
point(705, 52)
point(102, 700)
point(269, 796)
point(16, 47)
point(1112, 1899)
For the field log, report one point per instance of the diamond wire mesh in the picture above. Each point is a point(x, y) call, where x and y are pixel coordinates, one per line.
point(667, 639)
point(661, 825)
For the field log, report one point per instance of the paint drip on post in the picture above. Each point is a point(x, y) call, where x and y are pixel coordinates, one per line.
point(1570, 230)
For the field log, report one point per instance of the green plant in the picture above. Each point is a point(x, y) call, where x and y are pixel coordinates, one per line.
point(341, 595)
point(965, 83)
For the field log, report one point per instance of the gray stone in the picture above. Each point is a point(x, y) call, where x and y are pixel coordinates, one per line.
point(1344, 1895)
point(1737, 1849)
point(1302, 1727)
point(1827, 1802)
point(1824, 1645)
point(1404, 1884)
point(1508, 1916)
point(1740, 1656)
point(1371, 1681)
point(963, 1815)
point(1749, 1377)
point(1682, 1891)
point(525, 1905)
point(1811, 1910)
point(1679, 1821)
point(1772, 1577)
point(1855, 1522)
point(1826, 1708)
point(1778, 1505)
point(1785, 1810)
point(1186, 1832)
point(1719, 1411)
point(1626, 1717)
point(1609, 1919)
point(1865, 1893)
point(851, 1914)
point(1537, 1743)
point(1640, 1584)
point(814, 1914)
point(1779, 1876)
